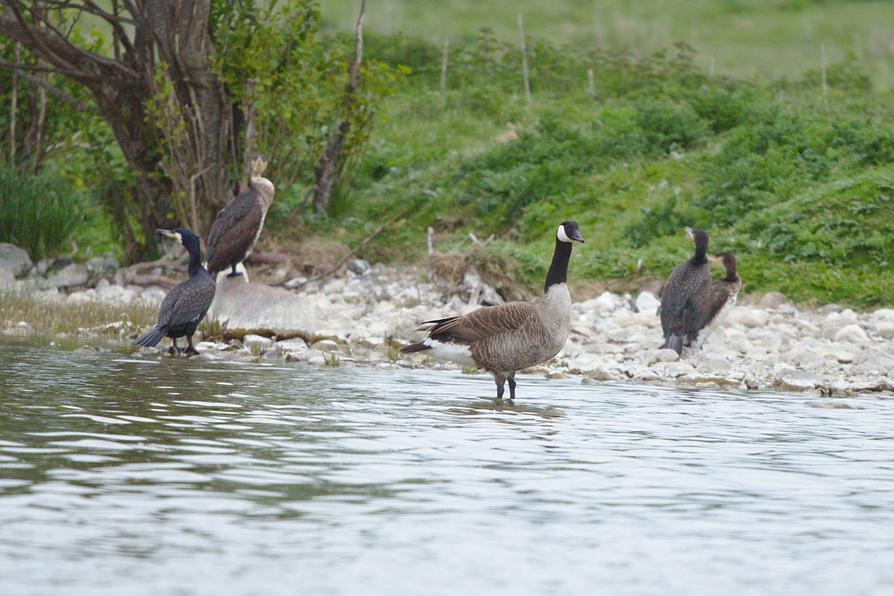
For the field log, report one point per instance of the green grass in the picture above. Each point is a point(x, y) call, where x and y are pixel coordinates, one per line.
point(731, 131)
point(788, 178)
point(760, 39)
point(38, 213)
point(48, 317)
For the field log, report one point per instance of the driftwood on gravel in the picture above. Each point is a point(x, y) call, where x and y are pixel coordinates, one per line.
point(149, 280)
point(164, 263)
point(268, 258)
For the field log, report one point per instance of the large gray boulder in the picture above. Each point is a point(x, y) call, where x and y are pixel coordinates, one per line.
point(14, 259)
point(252, 308)
point(68, 277)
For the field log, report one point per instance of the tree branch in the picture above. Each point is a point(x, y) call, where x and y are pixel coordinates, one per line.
point(54, 91)
point(51, 44)
point(354, 250)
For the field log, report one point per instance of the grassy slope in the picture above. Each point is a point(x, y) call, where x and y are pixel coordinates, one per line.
point(773, 171)
point(745, 38)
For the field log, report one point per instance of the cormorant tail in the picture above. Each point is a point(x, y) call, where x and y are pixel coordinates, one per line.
point(674, 342)
point(416, 347)
point(150, 338)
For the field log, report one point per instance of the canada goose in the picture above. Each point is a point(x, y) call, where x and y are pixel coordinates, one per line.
point(238, 225)
point(506, 338)
point(186, 304)
point(686, 296)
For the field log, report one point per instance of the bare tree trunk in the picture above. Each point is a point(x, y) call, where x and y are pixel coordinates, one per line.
point(172, 32)
point(248, 116)
point(524, 56)
point(13, 109)
point(41, 122)
point(329, 167)
point(444, 57)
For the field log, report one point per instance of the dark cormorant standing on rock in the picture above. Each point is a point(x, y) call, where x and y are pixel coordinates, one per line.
point(186, 304)
point(238, 225)
point(686, 297)
point(723, 292)
point(509, 337)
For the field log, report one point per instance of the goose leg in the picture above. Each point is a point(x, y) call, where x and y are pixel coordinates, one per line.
point(511, 380)
point(191, 350)
point(500, 380)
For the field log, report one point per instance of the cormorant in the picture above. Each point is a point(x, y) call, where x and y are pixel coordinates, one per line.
point(186, 304)
point(238, 225)
point(686, 296)
point(723, 292)
point(506, 338)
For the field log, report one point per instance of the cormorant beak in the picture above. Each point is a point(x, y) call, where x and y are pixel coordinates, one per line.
point(258, 165)
point(716, 260)
point(169, 234)
point(689, 232)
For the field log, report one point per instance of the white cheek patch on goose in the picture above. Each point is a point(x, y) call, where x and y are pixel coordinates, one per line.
point(179, 237)
point(561, 235)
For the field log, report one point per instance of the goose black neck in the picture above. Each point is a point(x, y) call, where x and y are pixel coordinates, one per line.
point(558, 269)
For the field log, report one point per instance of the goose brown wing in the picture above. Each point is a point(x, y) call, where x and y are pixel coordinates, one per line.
point(482, 323)
point(187, 301)
point(234, 231)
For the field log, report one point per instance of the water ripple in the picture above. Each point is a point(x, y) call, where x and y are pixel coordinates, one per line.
point(185, 477)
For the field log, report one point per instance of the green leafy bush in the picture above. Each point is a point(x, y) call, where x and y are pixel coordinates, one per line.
point(768, 162)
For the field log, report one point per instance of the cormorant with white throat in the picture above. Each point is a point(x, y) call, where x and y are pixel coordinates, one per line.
point(186, 304)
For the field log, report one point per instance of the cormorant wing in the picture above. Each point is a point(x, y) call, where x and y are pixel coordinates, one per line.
point(676, 291)
point(186, 301)
point(698, 307)
point(234, 231)
point(720, 293)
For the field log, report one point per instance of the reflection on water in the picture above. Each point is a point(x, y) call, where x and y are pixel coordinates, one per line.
point(124, 474)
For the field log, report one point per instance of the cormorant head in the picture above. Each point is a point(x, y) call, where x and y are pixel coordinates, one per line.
point(258, 165)
point(568, 232)
point(726, 260)
point(182, 235)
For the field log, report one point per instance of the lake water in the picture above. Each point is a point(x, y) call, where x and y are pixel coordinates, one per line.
point(123, 474)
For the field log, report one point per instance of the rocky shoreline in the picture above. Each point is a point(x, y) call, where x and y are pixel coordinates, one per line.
point(366, 313)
